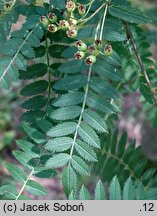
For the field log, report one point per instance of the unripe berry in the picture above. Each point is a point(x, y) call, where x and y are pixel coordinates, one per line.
point(81, 9)
point(63, 24)
point(52, 17)
point(81, 46)
point(7, 7)
point(72, 33)
point(72, 22)
point(108, 50)
point(44, 20)
point(79, 55)
point(70, 6)
point(52, 28)
point(98, 44)
point(92, 50)
point(90, 60)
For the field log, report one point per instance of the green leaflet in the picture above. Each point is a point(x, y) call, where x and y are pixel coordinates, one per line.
point(70, 82)
point(70, 99)
point(95, 121)
point(43, 124)
point(35, 88)
point(84, 194)
point(59, 144)
point(79, 165)
point(62, 129)
point(17, 173)
point(72, 196)
point(71, 67)
point(69, 180)
point(8, 188)
point(106, 70)
point(34, 134)
point(66, 113)
point(115, 190)
point(9, 71)
point(99, 191)
point(129, 14)
point(85, 151)
point(96, 102)
point(103, 88)
point(31, 115)
point(42, 172)
point(129, 190)
point(146, 92)
point(28, 51)
point(113, 30)
point(33, 71)
point(58, 160)
point(122, 145)
point(23, 158)
point(89, 135)
point(36, 102)
point(35, 188)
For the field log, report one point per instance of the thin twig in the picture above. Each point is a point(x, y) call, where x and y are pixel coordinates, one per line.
point(143, 70)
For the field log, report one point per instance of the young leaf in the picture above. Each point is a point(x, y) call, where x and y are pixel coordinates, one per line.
point(95, 121)
point(99, 191)
point(84, 194)
point(129, 190)
point(58, 160)
point(59, 144)
point(35, 188)
point(66, 113)
point(85, 151)
point(115, 190)
point(79, 165)
point(17, 173)
point(89, 135)
point(69, 180)
point(62, 129)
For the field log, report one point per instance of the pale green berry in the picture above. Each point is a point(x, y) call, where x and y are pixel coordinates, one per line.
point(44, 21)
point(72, 33)
point(70, 6)
point(63, 24)
point(98, 44)
point(82, 9)
point(52, 28)
point(92, 50)
point(90, 60)
point(52, 17)
point(81, 46)
point(108, 50)
point(72, 22)
point(7, 7)
point(79, 55)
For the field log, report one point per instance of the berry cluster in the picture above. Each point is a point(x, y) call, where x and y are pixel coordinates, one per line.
point(91, 51)
point(70, 26)
point(6, 9)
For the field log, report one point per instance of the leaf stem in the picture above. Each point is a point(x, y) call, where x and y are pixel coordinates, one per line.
point(103, 21)
point(89, 18)
point(49, 74)
point(15, 56)
point(82, 111)
point(90, 5)
point(29, 176)
point(24, 185)
point(139, 59)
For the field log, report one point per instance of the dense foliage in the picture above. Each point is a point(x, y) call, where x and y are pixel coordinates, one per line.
point(76, 59)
